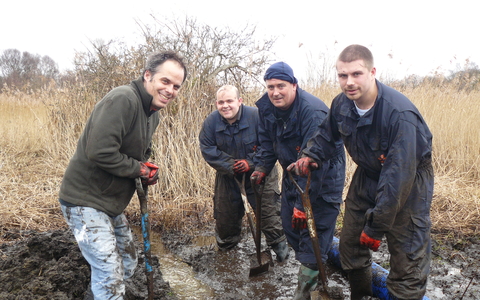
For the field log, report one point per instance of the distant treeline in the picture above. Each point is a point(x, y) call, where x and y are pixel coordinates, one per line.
point(214, 56)
point(24, 70)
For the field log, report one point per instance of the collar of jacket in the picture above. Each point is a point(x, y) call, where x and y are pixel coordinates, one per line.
point(368, 118)
point(266, 108)
point(145, 97)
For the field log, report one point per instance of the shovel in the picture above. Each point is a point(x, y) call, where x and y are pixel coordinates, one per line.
point(142, 195)
point(312, 230)
point(255, 227)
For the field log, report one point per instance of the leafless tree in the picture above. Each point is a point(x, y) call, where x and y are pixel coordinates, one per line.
point(25, 70)
point(29, 67)
point(107, 64)
point(48, 67)
point(214, 56)
point(10, 67)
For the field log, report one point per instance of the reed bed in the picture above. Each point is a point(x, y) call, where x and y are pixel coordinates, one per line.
point(39, 133)
point(452, 115)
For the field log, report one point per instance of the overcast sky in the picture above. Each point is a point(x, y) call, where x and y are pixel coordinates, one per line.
point(406, 37)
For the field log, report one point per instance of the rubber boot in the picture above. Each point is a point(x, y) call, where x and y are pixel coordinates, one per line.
point(281, 250)
point(360, 283)
point(307, 282)
point(88, 293)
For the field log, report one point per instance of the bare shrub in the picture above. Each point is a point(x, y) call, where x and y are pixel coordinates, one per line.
point(39, 134)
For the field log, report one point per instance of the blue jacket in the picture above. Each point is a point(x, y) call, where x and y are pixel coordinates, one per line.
point(391, 142)
point(222, 143)
point(284, 141)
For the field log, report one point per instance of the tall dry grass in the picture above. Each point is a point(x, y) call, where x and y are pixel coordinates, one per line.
point(452, 115)
point(39, 133)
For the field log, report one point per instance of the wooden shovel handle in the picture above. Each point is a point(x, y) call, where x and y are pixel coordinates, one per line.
point(312, 229)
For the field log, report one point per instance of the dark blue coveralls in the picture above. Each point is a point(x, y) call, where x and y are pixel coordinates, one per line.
point(392, 188)
point(283, 141)
point(222, 143)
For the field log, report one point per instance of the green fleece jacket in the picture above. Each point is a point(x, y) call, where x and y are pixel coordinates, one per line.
point(116, 137)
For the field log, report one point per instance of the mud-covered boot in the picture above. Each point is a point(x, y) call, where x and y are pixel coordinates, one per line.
point(88, 293)
point(360, 283)
point(281, 250)
point(307, 282)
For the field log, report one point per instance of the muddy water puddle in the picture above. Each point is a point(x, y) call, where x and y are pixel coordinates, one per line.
point(196, 269)
point(200, 271)
point(177, 273)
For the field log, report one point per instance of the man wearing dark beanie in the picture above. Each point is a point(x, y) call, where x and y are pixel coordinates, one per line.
point(289, 116)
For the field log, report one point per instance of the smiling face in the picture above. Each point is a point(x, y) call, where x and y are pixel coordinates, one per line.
point(281, 93)
point(358, 82)
point(228, 104)
point(163, 86)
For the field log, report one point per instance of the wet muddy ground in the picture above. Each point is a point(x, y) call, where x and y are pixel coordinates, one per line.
point(49, 265)
point(454, 269)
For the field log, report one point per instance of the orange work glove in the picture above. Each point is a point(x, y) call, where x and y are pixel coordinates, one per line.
point(369, 242)
point(148, 173)
point(299, 219)
point(241, 166)
point(302, 166)
point(258, 177)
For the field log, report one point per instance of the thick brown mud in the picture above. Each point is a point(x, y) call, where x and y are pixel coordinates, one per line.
point(48, 265)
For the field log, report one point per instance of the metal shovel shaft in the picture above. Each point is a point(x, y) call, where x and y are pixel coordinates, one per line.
point(142, 196)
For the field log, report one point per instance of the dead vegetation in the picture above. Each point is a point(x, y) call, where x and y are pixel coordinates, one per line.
point(35, 145)
point(40, 128)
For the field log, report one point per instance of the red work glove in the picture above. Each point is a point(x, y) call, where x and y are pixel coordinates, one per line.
point(241, 166)
point(258, 177)
point(148, 173)
point(369, 242)
point(303, 166)
point(299, 219)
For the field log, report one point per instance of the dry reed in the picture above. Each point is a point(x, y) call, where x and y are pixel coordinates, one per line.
point(38, 136)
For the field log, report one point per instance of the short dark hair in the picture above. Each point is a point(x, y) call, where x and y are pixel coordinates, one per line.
point(355, 52)
point(158, 58)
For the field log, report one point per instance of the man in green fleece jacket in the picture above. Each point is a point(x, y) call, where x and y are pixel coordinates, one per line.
point(100, 179)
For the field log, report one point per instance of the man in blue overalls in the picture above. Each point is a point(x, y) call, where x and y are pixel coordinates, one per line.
point(229, 141)
point(392, 188)
point(289, 116)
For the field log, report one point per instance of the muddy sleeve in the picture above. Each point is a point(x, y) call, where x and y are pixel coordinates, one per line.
point(396, 178)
